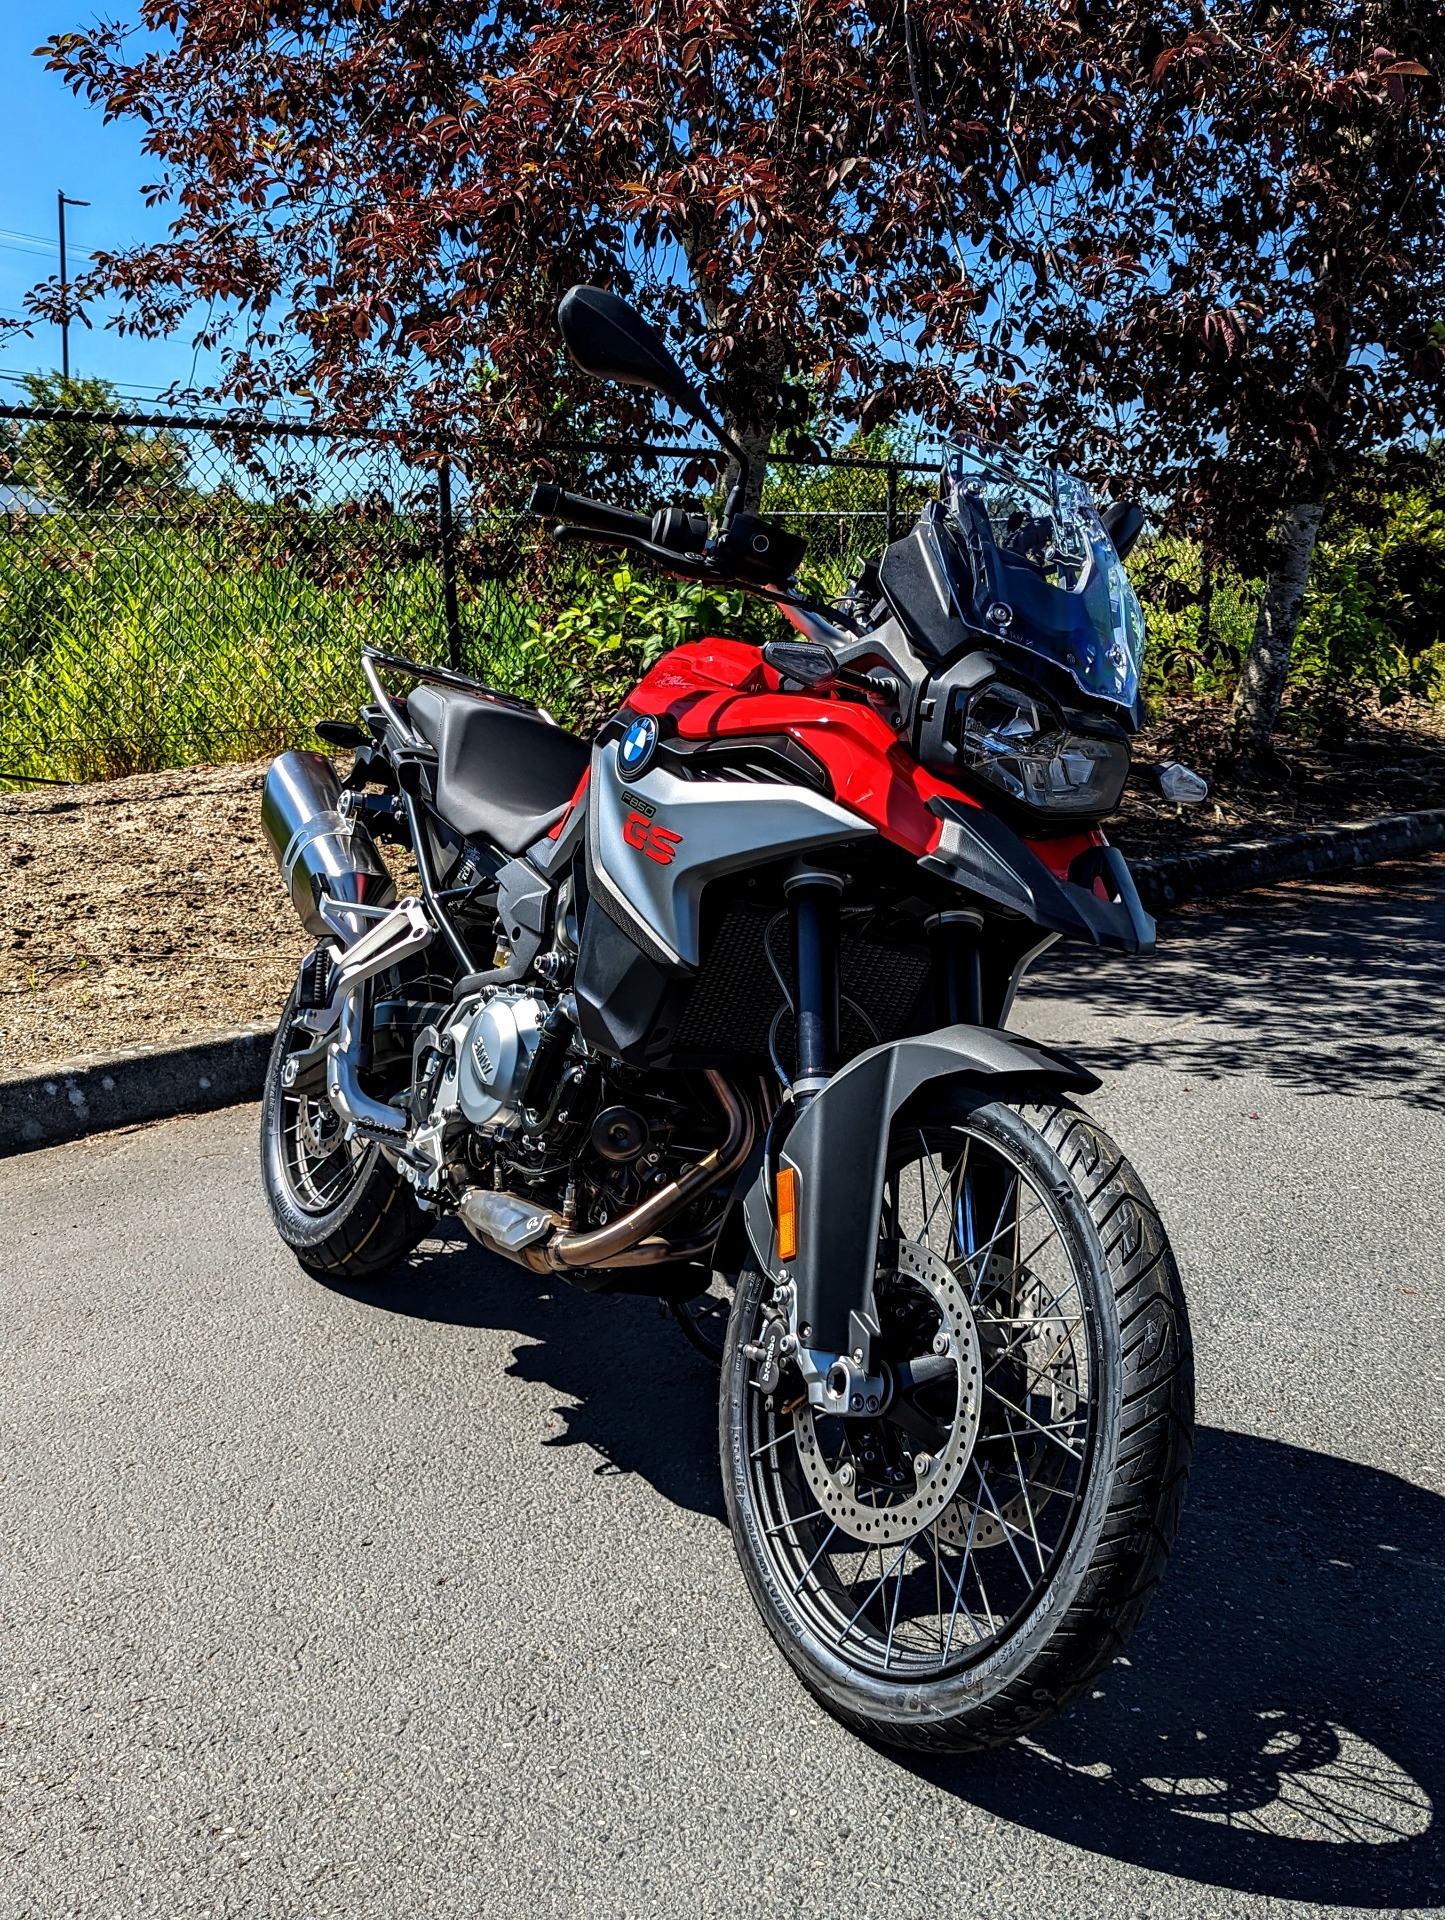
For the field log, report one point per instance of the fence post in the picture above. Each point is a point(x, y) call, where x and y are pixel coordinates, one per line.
point(892, 483)
point(449, 563)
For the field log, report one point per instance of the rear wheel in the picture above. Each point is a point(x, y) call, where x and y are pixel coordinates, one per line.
point(949, 1574)
point(704, 1318)
point(339, 1204)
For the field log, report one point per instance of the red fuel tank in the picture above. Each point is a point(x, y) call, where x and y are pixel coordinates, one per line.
point(720, 690)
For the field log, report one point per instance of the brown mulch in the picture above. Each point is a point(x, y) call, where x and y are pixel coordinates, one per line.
point(150, 909)
point(137, 910)
point(1394, 762)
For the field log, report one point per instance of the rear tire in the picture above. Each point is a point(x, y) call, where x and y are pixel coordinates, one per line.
point(704, 1318)
point(1075, 1407)
point(342, 1208)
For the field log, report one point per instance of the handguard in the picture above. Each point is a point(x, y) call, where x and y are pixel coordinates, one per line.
point(838, 1150)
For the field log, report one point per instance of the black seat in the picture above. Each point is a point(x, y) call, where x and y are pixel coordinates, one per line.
point(503, 774)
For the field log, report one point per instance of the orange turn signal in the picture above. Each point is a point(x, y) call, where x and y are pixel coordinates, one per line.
point(787, 1213)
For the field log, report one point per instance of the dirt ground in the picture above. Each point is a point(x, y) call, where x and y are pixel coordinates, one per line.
point(138, 910)
point(150, 908)
point(1394, 762)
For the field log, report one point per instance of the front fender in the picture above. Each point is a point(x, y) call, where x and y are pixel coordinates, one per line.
point(838, 1148)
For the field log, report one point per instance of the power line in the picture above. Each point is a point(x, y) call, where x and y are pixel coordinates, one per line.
point(25, 242)
point(122, 392)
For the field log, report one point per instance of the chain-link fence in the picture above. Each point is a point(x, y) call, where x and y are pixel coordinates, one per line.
point(178, 589)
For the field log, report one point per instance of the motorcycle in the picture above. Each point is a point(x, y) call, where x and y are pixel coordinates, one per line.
point(714, 1009)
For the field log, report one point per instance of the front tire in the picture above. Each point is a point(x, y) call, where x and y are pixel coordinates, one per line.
point(339, 1205)
point(1057, 1428)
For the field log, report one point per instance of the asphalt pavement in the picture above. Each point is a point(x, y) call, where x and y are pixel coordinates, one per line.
point(418, 1600)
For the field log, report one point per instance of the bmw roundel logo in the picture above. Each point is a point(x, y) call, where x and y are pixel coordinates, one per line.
point(639, 743)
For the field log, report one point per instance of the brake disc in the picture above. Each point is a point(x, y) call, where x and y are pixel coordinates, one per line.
point(1047, 1351)
point(884, 1517)
point(319, 1127)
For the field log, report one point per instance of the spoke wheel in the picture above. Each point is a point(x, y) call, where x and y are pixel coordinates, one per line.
point(339, 1204)
point(922, 1566)
point(321, 1164)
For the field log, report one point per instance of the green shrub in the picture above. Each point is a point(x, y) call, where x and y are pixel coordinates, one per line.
point(90, 461)
point(1198, 627)
point(581, 663)
point(162, 651)
point(125, 648)
point(1373, 627)
point(217, 628)
point(1374, 615)
point(843, 511)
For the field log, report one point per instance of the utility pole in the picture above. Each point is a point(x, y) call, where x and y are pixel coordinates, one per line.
point(61, 203)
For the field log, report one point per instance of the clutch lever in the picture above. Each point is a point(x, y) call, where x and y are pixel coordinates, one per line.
point(685, 566)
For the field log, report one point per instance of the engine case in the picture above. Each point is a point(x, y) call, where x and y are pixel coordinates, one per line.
point(493, 1053)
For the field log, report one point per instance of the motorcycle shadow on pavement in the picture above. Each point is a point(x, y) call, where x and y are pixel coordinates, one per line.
point(630, 1387)
point(1275, 1727)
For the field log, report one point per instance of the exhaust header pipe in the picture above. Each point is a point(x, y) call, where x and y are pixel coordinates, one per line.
point(537, 1239)
point(319, 850)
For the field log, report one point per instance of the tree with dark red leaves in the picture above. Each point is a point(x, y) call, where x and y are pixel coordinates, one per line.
point(1252, 287)
point(1197, 245)
point(379, 202)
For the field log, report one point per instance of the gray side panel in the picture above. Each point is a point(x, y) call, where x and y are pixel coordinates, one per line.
point(839, 1147)
point(657, 841)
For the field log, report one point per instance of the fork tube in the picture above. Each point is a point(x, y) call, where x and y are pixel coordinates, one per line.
point(957, 970)
point(813, 896)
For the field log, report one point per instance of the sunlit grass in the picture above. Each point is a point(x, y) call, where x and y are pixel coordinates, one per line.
point(165, 651)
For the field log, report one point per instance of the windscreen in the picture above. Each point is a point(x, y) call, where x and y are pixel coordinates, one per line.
point(1046, 578)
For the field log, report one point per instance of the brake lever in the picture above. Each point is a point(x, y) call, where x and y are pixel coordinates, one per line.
point(686, 566)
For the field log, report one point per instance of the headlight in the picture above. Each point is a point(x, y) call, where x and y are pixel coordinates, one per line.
point(1018, 744)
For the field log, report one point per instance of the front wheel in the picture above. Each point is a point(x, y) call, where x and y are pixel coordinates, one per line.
point(949, 1574)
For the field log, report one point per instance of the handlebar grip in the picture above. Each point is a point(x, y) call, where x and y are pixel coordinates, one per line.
point(551, 503)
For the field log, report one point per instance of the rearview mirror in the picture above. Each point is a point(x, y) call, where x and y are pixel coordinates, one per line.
point(611, 342)
point(1123, 524)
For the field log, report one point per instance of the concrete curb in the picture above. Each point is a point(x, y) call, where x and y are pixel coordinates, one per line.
point(95, 1093)
point(1212, 871)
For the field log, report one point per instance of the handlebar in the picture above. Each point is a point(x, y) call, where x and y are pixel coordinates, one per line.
point(552, 503)
point(750, 551)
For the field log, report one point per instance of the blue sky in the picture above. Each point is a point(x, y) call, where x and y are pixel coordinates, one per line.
point(50, 140)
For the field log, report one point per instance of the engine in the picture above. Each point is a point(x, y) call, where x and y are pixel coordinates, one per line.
point(467, 1082)
point(493, 1049)
point(504, 1106)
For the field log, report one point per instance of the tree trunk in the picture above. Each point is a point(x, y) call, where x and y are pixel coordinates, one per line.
point(749, 394)
point(1266, 666)
point(754, 442)
point(752, 387)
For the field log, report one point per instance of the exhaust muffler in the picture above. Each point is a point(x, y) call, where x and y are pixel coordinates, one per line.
point(320, 851)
